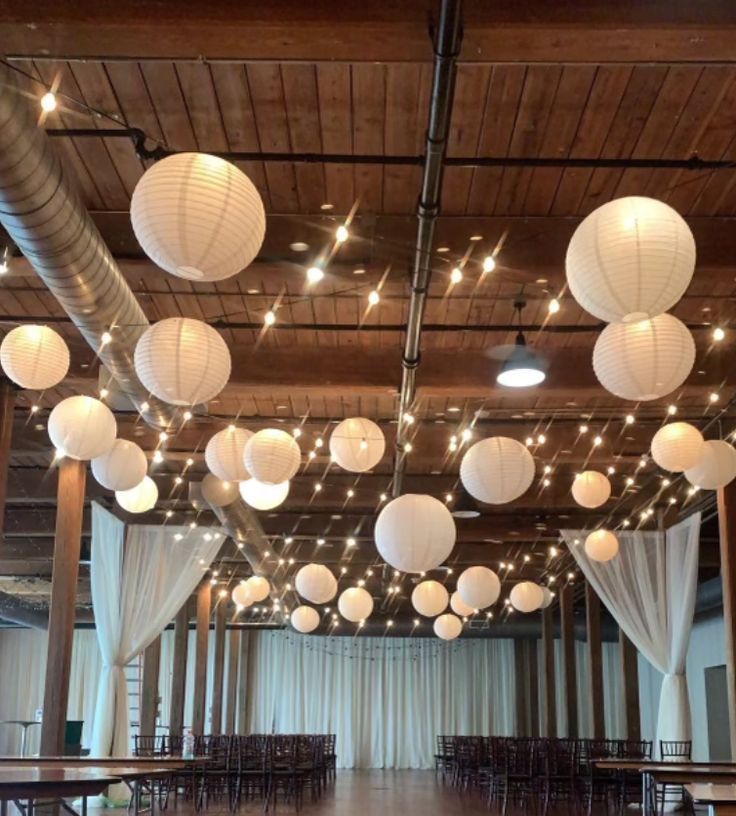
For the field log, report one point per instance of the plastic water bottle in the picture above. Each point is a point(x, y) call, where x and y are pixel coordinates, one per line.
point(188, 747)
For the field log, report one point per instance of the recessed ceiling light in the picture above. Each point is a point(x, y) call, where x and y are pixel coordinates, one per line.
point(253, 291)
point(299, 246)
point(541, 280)
point(326, 206)
point(443, 249)
point(454, 409)
point(359, 271)
point(476, 237)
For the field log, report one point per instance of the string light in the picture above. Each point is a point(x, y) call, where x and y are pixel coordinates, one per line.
point(583, 429)
point(629, 481)
point(269, 318)
point(713, 397)
point(350, 493)
point(408, 447)
point(341, 234)
point(35, 409)
point(312, 455)
point(315, 274)
point(489, 263)
point(351, 542)
point(317, 487)
point(529, 441)
point(541, 439)
point(665, 482)
point(448, 497)
point(374, 298)
point(163, 436)
point(553, 551)
point(456, 275)
point(671, 410)
point(546, 482)
point(48, 102)
point(178, 480)
point(190, 462)
point(187, 416)
point(547, 469)
point(382, 497)
point(144, 407)
point(598, 440)
point(409, 418)
point(158, 457)
point(104, 393)
point(553, 306)
point(105, 338)
point(718, 334)
point(629, 419)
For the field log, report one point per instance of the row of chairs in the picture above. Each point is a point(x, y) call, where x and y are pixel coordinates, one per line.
point(255, 767)
point(541, 773)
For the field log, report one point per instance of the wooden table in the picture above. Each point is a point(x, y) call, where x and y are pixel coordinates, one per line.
point(721, 799)
point(29, 784)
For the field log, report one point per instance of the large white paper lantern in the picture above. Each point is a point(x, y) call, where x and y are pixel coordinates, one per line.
point(716, 466)
point(140, 499)
point(645, 360)
point(677, 446)
point(122, 467)
point(82, 428)
point(448, 626)
point(357, 444)
point(218, 492)
point(630, 259)
point(258, 588)
point(430, 598)
point(272, 456)
point(601, 545)
point(198, 216)
point(459, 607)
point(224, 454)
point(591, 489)
point(355, 604)
point(479, 587)
point(415, 533)
point(548, 597)
point(497, 470)
point(263, 496)
point(34, 357)
point(315, 583)
point(526, 596)
point(304, 619)
point(241, 596)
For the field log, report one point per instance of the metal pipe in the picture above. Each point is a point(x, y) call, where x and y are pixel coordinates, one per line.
point(447, 47)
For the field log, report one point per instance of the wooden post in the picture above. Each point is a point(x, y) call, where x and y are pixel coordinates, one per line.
point(219, 672)
point(567, 627)
point(548, 647)
point(67, 545)
point(522, 689)
point(727, 534)
point(595, 662)
point(179, 671)
point(204, 603)
point(233, 658)
point(149, 687)
point(243, 723)
point(630, 687)
point(533, 684)
point(7, 404)
point(527, 687)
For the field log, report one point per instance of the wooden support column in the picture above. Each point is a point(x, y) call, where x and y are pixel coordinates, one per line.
point(7, 404)
point(243, 724)
point(179, 671)
point(595, 662)
point(522, 689)
point(567, 626)
point(231, 699)
point(219, 672)
point(67, 545)
point(727, 534)
point(149, 687)
point(204, 604)
point(527, 687)
point(630, 686)
point(548, 650)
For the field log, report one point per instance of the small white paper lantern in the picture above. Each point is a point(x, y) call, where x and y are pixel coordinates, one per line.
point(716, 466)
point(304, 619)
point(549, 596)
point(601, 545)
point(34, 357)
point(258, 588)
point(272, 456)
point(218, 492)
point(355, 604)
point(429, 598)
point(479, 587)
point(526, 596)
point(497, 470)
point(182, 361)
point(645, 360)
point(263, 496)
point(122, 467)
point(224, 454)
point(315, 583)
point(140, 499)
point(448, 626)
point(591, 489)
point(357, 444)
point(459, 607)
point(241, 596)
point(677, 446)
point(82, 428)
point(630, 259)
point(415, 533)
point(198, 216)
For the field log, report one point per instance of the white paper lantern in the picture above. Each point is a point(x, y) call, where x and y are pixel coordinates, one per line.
point(415, 533)
point(82, 428)
point(645, 360)
point(241, 596)
point(182, 361)
point(479, 587)
point(224, 454)
point(549, 596)
point(34, 357)
point(497, 470)
point(272, 456)
point(448, 627)
point(122, 467)
point(140, 499)
point(258, 588)
point(591, 489)
point(198, 216)
point(429, 598)
point(459, 607)
point(217, 492)
point(315, 583)
point(355, 604)
point(601, 545)
point(263, 496)
point(304, 619)
point(357, 444)
point(677, 446)
point(632, 258)
point(716, 466)
point(526, 596)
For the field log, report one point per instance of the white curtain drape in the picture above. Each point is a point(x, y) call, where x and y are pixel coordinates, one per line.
point(140, 576)
point(650, 588)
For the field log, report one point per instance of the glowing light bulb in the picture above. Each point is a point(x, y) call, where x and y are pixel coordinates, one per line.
point(408, 447)
point(718, 334)
point(104, 393)
point(541, 439)
point(158, 457)
point(315, 274)
point(374, 298)
point(317, 487)
point(583, 429)
point(190, 462)
point(553, 306)
point(269, 318)
point(456, 275)
point(671, 410)
point(713, 397)
point(630, 419)
point(341, 234)
point(48, 102)
point(187, 416)
point(350, 493)
point(489, 263)
point(297, 433)
point(598, 440)
point(163, 436)
point(105, 338)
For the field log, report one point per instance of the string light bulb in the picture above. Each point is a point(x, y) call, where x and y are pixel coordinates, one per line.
point(718, 334)
point(48, 102)
point(553, 306)
point(489, 263)
point(671, 410)
point(315, 274)
point(456, 275)
point(105, 338)
point(341, 234)
point(269, 318)
point(629, 419)
point(374, 298)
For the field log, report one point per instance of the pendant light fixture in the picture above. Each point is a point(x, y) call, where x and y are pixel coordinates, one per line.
point(522, 368)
